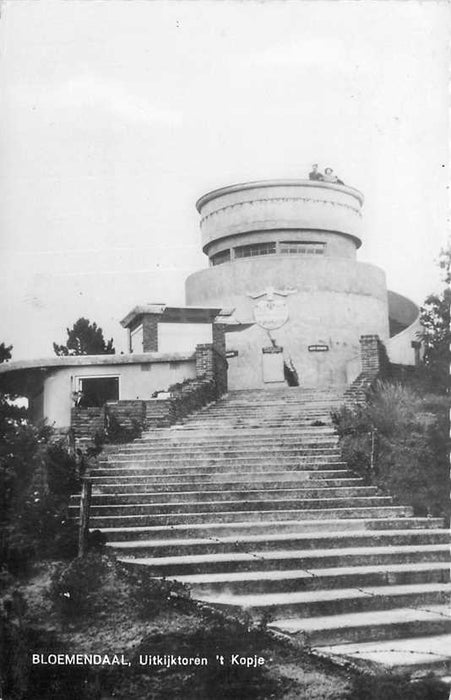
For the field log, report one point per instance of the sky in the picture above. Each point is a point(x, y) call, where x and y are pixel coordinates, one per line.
point(116, 116)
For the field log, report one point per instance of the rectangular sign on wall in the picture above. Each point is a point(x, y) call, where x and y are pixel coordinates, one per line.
point(318, 348)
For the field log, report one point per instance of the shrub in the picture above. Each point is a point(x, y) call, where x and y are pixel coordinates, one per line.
point(399, 441)
point(387, 687)
point(116, 433)
point(73, 587)
point(24, 681)
point(37, 477)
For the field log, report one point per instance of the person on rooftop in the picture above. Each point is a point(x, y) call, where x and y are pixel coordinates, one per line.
point(315, 174)
point(330, 177)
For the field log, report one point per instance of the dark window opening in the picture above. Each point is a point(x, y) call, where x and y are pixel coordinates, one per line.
point(248, 251)
point(96, 391)
point(221, 257)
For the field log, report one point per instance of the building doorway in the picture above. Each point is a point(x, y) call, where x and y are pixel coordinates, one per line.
point(96, 391)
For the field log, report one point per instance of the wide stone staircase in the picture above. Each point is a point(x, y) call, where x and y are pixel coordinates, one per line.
point(249, 503)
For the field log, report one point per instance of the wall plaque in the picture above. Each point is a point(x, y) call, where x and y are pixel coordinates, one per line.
point(318, 348)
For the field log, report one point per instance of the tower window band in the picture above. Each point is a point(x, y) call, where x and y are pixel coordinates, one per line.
point(302, 248)
point(248, 251)
point(270, 248)
point(221, 257)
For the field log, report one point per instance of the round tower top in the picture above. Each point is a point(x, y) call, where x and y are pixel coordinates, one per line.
point(239, 187)
point(288, 205)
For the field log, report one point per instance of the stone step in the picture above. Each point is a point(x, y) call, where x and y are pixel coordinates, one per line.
point(211, 506)
point(101, 521)
point(214, 476)
point(207, 460)
point(215, 530)
point(246, 553)
point(276, 464)
point(341, 601)
point(275, 409)
point(391, 624)
point(202, 453)
point(263, 581)
point(203, 434)
point(235, 468)
point(307, 407)
point(275, 403)
point(416, 657)
point(238, 436)
point(293, 414)
point(284, 392)
point(309, 443)
point(171, 495)
point(302, 453)
point(319, 420)
point(280, 404)
point(193, 484)
point(314, 448)
point(279, 412)
point(302, 457)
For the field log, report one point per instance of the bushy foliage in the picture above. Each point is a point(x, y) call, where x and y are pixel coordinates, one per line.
point(11, 415)
point(399, 440)
point(23, 681)
point(116, 433)
point(37, 477)
point(436, 329)
point(436, 337)
point(387, 687)
point(192, 394)
point(85, 338)
point(74, 586)
point(90, 585)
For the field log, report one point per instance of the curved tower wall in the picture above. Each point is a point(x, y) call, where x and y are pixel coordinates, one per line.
point(282, 254)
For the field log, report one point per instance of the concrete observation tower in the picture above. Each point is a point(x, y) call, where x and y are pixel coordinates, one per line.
point(282, 254)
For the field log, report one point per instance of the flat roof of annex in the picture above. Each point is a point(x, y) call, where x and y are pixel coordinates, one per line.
point(175, 314)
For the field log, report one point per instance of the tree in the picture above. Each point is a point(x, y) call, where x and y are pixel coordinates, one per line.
point(5, 352)
point(37, 477)
point(435, 319)
point(10, 413)
point(85, 338)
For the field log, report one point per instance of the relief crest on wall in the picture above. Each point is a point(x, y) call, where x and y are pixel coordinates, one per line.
point(270, 307)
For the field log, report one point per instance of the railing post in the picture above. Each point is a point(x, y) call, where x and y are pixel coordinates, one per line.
point(373, 451)
point(85, 507)
point(106, 418)
point(71, 442)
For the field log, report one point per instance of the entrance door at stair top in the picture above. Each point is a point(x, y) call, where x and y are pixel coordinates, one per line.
point(272, 359)
point(98, 390)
